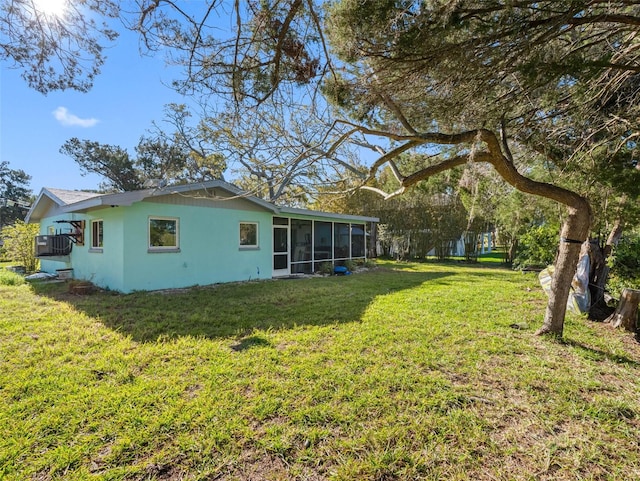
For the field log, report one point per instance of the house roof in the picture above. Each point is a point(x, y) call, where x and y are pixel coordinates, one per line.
point(70, 196)
point(66, 201)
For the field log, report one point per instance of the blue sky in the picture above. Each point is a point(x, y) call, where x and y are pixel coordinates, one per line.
point(126, 98)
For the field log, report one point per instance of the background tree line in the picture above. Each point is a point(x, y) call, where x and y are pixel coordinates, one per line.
point(16, 237)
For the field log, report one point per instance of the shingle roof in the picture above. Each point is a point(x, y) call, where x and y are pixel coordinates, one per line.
point(72, 196)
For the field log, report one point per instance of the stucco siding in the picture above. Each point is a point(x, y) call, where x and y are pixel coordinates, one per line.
point(209, 250)
point(104, 267)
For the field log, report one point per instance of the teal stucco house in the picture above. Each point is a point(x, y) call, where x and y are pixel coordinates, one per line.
point(186, 235)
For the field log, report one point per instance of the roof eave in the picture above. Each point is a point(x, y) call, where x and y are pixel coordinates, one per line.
point(113, 200)
point(316, 213)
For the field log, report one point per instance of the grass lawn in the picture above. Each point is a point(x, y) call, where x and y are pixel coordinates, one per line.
point(410, 371)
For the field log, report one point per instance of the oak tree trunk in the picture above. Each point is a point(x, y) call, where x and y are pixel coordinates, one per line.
point(373, 240)
point(600, 272)
point(511, 253)
point(574, 232)
point(626, 314)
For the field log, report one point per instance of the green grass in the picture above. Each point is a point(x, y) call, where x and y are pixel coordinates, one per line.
point(8, 278)
point(411, 371)
point(494, 258)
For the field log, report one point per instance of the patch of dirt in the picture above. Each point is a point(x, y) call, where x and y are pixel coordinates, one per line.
point(98, 463)
point(192, 391)
point(254, 465)
point(165, 472)
point(41, 476)
point(81, 288)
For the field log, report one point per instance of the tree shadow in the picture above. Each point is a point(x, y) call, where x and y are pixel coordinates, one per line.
point(239, 309)
point(599, 354)
point(249, 343)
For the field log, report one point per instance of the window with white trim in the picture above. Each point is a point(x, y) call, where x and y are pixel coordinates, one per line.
point(164, 233)
point(249, 234)
point(97, 229)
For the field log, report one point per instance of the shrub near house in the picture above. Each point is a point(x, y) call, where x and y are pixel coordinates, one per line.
point(17, 244)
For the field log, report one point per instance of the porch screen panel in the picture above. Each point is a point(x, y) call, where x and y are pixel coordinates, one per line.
point(322, 241)
point(341, 241)
point(357, 240)
point(301, 246)
point(279, 262)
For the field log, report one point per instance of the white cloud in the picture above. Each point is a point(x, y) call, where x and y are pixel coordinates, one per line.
point(66, 118)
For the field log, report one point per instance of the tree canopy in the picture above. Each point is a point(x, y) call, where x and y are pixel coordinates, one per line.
point(14, 194)
point(56, 50)
point(158, 158)
point(18, 243)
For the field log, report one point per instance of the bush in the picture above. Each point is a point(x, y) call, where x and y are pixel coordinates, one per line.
point(8, 278)
point(326, 268)
point(625, 265)
point(537, 247)
point(370, 264)
point(350, 264)
point(18, 244)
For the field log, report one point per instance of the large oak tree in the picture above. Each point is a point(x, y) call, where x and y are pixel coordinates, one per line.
point(459, 82)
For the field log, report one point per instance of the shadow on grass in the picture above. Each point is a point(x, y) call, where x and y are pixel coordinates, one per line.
point(598, 354)
point(458, 262)
point(236, 310)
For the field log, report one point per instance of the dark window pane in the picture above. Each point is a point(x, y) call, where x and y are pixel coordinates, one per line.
point(280, 261)
point(96, 233)
point(163, 233)
point(280, 240)
point(248, 234)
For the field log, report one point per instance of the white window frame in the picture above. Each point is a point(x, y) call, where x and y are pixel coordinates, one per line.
point(249, 246)
point(173, 248)
point(96, 247)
